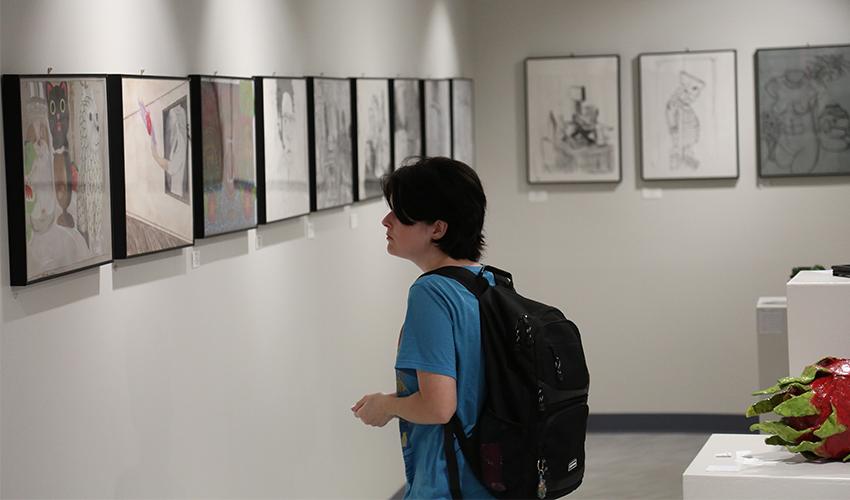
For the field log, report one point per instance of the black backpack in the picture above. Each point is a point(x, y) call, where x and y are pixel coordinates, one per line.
point(529, 439)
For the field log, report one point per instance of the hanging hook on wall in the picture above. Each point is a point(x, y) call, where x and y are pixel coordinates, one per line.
point(215, 73)
point(142, 71)
point(687, 49)
point(49, 69)
point(274, 73)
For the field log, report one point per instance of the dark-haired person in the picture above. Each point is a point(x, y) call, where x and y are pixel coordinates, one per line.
point(436, 219)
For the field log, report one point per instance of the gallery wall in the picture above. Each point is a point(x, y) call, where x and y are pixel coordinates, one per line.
point(154, 378)
point(663, 288)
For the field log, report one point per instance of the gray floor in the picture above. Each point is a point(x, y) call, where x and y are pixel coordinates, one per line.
point(645, 466)
point(625, 465)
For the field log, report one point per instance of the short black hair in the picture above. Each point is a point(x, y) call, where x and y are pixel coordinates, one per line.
point(428, 189)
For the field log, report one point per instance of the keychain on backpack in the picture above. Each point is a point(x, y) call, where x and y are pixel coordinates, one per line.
point(541, 478)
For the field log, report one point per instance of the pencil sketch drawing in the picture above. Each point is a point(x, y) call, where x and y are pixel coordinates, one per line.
point(804, 98)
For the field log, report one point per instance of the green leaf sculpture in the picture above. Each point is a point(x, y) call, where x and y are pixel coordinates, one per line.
point(815, 411)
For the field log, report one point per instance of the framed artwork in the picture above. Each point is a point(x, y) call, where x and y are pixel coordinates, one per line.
point(151, 164)
point(803, 101)
point(573, 119)
point(407, 119)
point(438, 120)
point(689, 115)
point(225, 175)
point(463, 148)
point(374, 154)
point(57, 175)
point(332, 172)
point(283, 167)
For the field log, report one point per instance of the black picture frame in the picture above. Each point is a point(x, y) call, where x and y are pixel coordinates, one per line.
point(374, 134)
point(589, 150)
point(138, 234)
point(60, 236)
point(219, 190)
point(268, 210)
point(698, 70)
point(805, 89)
point(331, 187)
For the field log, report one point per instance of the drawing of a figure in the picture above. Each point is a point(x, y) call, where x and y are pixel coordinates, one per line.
point(64, 175)
point(576, 139)
point(683, 122)
point(285, 127)
point(91, 185)
point(287, 184)
point(801, 119)
point(174, 159)
point(64, 171)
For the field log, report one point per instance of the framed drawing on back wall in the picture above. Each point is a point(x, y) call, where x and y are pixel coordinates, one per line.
point(407, 119)
point(573, 119)
point(374, 158)
point(283, 170)
point(151, 164)
point(57, 175)
point(331, 142)
point(688, 112)
point(438, 120)
point(462, 112)
point(803, 97)
point(225, 168)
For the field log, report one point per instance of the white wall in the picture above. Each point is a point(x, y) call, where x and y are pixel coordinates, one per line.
point(152, 379)
point(664, 291)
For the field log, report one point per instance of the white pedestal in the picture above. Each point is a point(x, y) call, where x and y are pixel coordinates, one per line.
point(772, 340)
point(756, 470)
point(818, 318)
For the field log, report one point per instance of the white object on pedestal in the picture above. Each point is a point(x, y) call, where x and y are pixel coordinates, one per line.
point(818, 318)
point(741, 466)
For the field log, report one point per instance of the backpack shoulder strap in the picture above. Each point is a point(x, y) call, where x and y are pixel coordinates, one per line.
point(476, 283)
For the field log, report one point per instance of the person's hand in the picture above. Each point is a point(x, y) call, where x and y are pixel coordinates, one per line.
point(372, 409)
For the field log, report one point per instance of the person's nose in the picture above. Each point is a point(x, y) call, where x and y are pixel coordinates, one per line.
point(386, 220)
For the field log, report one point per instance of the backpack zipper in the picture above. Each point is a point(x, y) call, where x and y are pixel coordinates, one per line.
point(542, 468)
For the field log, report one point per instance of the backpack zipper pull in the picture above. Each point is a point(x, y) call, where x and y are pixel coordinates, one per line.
point(529, 338)
point(541, 400)
point(523, 325)
point(558, 373)
point(541, 478)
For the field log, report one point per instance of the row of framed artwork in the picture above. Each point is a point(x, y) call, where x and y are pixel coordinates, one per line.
point(103, 167)
point(688, 115)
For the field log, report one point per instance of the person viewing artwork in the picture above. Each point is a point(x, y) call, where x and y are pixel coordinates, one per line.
point(436, 219)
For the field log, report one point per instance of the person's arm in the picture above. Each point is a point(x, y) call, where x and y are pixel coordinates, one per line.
point(434, 403)
point(162, 162)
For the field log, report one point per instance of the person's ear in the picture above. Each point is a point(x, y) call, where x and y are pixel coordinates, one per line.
point(439, 230)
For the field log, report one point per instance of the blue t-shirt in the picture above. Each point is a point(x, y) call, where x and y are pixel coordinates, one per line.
point(441, 334)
